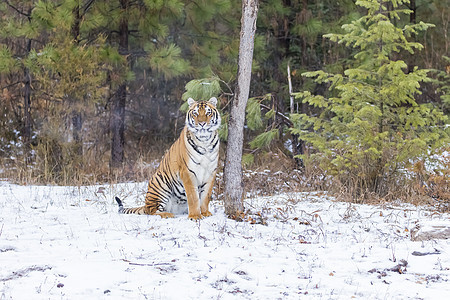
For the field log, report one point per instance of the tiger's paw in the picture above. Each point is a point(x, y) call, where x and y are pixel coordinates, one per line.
point(165, 215)
point(206, 213)
point(195, 217)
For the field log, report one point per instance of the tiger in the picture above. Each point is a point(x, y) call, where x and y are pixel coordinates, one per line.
point(187, 171)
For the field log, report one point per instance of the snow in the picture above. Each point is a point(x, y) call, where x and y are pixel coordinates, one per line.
point(70, 243)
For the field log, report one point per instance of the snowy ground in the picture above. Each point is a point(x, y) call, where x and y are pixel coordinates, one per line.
point(70, 243)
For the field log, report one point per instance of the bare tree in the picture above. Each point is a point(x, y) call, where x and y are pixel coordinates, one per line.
point(234, 187)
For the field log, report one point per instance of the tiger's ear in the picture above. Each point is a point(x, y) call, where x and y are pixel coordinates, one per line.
point(190, 102)
point(213, 101)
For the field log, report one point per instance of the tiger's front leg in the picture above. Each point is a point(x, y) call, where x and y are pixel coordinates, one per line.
point(193, 201)
point(204, 206)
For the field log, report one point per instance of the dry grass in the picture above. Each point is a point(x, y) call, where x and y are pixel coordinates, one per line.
point(57, 165)
point(272, 173)
point(434, 185)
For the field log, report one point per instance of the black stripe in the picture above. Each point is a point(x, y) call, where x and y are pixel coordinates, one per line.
point(180, 192)
point(155, 194)
point(157, 178)
point(215, 144)
point(193, 145)
point(192, 172)
point(193, 160)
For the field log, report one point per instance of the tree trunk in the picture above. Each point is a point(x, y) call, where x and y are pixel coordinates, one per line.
point(413, 8)
point(305, 17)
point(117, 121)
point(234, 187)
point(77, 120)
point(117, 126)
point(27, 109)
point(75, 30)
point(412, 20)
point(77, 125)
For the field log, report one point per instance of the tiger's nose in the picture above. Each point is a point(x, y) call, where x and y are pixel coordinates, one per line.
point(202, 124)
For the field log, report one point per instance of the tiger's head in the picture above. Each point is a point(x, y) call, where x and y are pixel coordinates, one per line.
point(203, 118)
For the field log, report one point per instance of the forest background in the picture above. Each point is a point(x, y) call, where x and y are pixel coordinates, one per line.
point(91, 91)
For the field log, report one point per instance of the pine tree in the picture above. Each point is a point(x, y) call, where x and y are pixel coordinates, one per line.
point(290, 35)
point(140, 30)
point(18, 25)
point(370, 126)
point(443, 83)
point(69, 71)
point(70, 68)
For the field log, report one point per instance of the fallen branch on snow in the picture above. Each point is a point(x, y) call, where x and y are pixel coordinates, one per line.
point(24, 272)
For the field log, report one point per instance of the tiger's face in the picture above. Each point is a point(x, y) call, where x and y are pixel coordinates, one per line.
point(203, 118)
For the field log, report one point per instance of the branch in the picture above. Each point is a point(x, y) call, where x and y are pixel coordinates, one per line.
point(17, 10)
point(285, 119)
point(86, 6)
point(145, 265)
point(11, 84)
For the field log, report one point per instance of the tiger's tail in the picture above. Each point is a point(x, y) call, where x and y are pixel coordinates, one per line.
point(134, 210)
point(121, 209)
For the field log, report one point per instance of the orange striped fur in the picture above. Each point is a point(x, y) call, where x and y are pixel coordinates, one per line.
point(185, 177)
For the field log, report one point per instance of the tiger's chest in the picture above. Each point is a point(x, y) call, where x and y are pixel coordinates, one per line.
point(203, 159)
point(205, 169)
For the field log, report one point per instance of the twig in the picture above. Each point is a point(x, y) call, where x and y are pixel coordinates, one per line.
point(28, 15)
point(281, 115)
point(417, 253)
point(87, 5)
point(10, 85)
point(291, 98)
point(145, 265)
point(24, 272)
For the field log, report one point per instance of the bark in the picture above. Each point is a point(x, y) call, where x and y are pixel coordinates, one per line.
point(234, 187)
point(280, 52)
point(305, 15)
point(297, 145)
point(75, 30)
point(27, 121)
point(77, 125)
point(27, 110)
point(117, 127)
point(412, 20)
point(413, 8)
point(117, 121)
point(77, 120)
